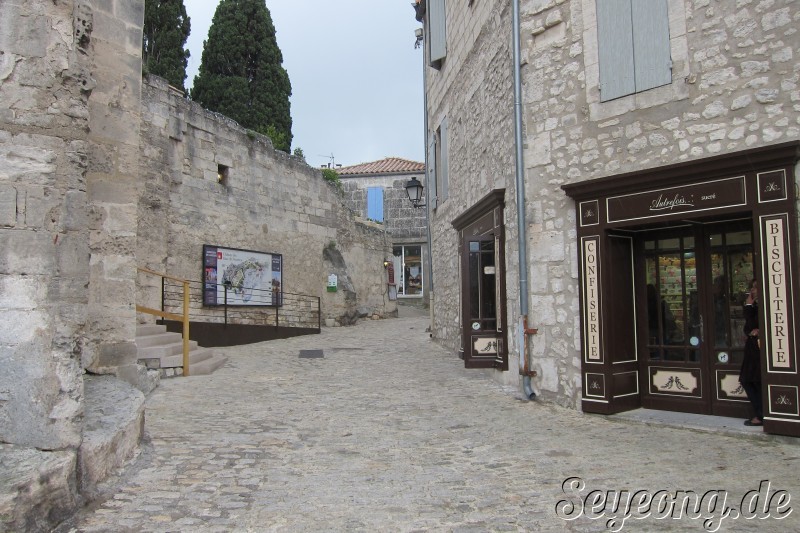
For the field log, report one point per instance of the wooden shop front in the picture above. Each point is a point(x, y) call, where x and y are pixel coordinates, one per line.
point(666, 256)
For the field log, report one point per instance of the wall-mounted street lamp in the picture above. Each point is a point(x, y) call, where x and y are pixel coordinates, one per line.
point(414, 191)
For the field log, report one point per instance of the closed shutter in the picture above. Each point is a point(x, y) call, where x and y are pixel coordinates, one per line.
point(651, 52)
point(432, 172)
point(438, 30)
point(375, 203)
point(615, 48)
point(442, 186)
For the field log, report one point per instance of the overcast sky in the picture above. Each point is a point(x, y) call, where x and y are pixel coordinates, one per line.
point(356, 76)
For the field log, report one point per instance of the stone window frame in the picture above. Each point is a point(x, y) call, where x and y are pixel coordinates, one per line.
point(679, 51)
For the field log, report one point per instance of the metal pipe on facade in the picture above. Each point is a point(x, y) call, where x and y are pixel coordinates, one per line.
point(427, 186)
point(524, 367)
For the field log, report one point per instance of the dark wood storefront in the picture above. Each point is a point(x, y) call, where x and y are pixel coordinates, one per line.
point(483, 287)
point(666, 256)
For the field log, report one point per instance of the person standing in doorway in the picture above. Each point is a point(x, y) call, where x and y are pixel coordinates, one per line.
point(750, 374)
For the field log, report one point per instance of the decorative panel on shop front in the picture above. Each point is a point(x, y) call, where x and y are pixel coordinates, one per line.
point(777, 295)
point(591, 300)
point(673, 381)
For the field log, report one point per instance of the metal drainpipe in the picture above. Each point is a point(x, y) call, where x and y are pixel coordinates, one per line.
point(524, 367)
point(427, 187)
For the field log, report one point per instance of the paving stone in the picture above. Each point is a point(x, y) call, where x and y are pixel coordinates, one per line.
point(388, 432)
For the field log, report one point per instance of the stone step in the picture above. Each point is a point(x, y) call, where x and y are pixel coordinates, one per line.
point(207, 366)
point(158, 339)
point(195, 356)
point(143, 330)
point(160, 351)
point(113, 429)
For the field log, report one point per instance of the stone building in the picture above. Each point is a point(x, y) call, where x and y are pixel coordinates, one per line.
point(611, 198)
point(376, 191)
point(101, 173)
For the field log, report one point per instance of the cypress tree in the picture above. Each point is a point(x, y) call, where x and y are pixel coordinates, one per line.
point(166, 28)
point(241, 73)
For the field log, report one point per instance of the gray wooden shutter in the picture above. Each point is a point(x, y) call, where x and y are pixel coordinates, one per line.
point(443, 164)
point(432, 172)
point(438, 29)
point(653, 66)
point(615, 48)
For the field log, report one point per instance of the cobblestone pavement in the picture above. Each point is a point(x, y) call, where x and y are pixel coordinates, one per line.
point(388, 432)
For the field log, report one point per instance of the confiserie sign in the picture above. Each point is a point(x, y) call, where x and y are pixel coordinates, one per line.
point(692, 198)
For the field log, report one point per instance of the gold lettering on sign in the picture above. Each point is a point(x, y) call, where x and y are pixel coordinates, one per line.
point(777, 294)
point(591, 277)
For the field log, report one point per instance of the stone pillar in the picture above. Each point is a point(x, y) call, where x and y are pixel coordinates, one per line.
point(112, 183)
point(44, 252)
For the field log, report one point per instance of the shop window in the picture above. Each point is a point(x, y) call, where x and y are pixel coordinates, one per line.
point(408, 262)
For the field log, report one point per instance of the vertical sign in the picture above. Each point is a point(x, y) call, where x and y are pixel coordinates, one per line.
point(777, 295)
point(591, 299)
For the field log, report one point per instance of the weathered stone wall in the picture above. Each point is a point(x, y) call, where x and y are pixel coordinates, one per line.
point(270, 202)
point(45, 83)
point(401, 219)
point(112, 186)
point(474, 91)
point(736, 68)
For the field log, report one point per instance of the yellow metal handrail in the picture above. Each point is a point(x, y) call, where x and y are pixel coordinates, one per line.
point(183, 318)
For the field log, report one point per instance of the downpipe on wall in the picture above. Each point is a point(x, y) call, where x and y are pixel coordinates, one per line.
point(523, 330)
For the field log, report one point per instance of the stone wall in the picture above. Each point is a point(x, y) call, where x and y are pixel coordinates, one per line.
point(474, 91)
point(269, 201)
point(45, 84)
point(112, 187)
point(736, 69)
point(401, 219)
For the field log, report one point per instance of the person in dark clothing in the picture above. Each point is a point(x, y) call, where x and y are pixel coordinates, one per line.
point(750, 374)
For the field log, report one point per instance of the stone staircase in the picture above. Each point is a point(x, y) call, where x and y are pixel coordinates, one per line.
point(163, 351)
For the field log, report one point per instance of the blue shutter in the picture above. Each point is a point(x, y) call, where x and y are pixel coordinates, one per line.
point(615, 48)
point(375, 203)
point(437, 28)
point(650, 19)
point(443, 170)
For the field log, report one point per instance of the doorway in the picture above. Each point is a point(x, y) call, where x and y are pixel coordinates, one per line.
point(692, 283)
point(483, 289)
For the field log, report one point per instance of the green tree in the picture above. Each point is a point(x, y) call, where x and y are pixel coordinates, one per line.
point(166, 28)
point(241, 73)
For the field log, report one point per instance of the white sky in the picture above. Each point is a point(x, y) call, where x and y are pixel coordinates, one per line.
point(356, 76)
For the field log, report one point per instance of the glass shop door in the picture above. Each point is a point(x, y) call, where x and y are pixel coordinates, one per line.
point(694, 281)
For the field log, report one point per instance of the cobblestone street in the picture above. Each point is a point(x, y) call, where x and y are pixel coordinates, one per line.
point(388, 432)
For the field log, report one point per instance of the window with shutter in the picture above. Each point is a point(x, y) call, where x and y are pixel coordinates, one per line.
point(432, 171)
point(442, 161)
point(633, 46)
point(375, 203)
point(437, 31)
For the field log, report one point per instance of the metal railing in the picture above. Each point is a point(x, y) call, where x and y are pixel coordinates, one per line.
point(182, 317)
point(263, 307)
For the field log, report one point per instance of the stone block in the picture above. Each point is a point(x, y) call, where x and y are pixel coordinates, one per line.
point(39, 412)
point(21, 32)
point(8, 205)
point(38, 489)
point(26, 252)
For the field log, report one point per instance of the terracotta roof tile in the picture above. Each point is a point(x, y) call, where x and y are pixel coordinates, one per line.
point(390, 165)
